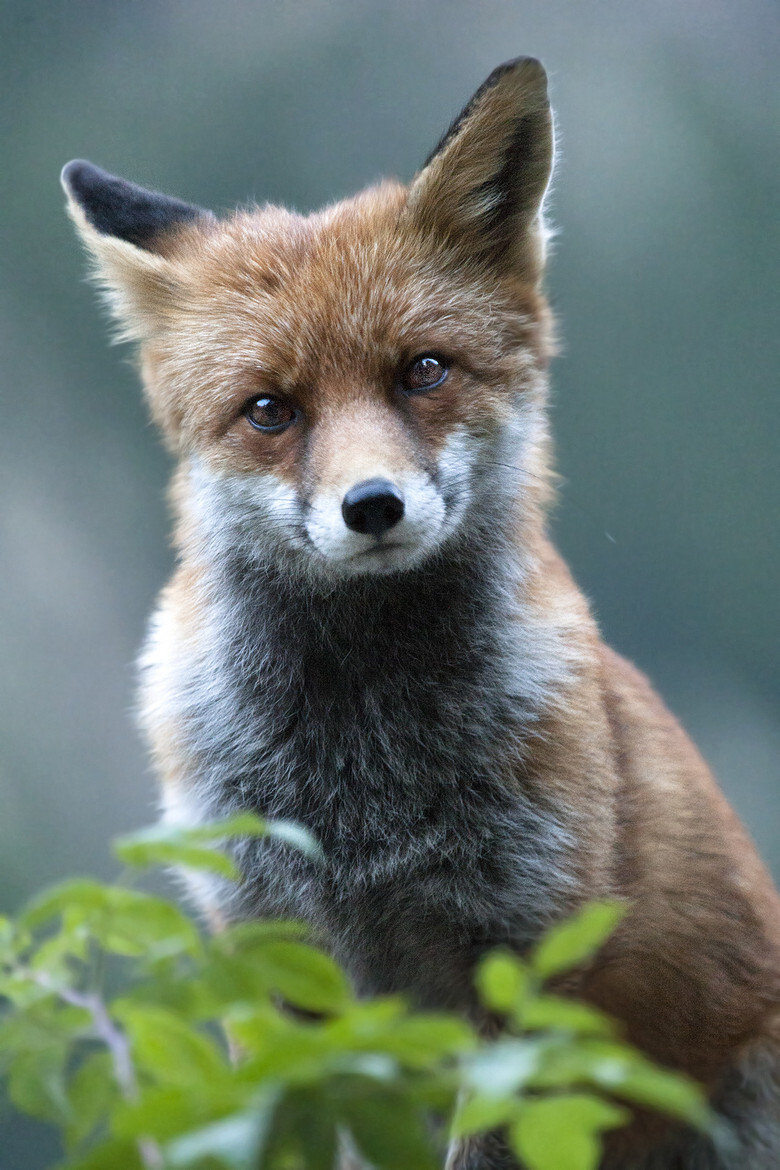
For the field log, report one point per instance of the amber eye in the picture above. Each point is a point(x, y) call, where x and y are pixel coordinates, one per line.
point(424, 373)
point(270, 414)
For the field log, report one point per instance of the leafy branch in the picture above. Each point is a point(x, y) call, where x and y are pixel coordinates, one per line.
point(115, 1013)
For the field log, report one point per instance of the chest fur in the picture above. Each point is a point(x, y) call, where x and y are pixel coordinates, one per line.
point(392, 723)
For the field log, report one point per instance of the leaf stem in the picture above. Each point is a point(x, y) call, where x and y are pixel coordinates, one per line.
point(118, 1047)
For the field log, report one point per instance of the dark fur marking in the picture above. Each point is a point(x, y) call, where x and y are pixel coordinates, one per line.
point(115, 207)
point(373, 715)
point(518, 185)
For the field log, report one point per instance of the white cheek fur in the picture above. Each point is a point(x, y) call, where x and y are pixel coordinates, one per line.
point(257, 511)
point(267, 519)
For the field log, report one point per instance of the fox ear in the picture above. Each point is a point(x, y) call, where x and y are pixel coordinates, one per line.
point(482, 188)
point(131, 234)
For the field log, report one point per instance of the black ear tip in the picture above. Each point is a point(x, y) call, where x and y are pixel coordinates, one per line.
point(115, 207)
point(79, 175)
point(70, 174)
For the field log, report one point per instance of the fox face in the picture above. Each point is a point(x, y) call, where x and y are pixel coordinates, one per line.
point(348, 392)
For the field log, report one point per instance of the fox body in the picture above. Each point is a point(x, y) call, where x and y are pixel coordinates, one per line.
point(369, 632)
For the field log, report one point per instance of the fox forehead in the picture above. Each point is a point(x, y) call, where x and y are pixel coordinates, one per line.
point(329, 302)
point(329, 306)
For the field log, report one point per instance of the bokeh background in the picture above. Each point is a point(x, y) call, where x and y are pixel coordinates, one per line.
point(665, 395)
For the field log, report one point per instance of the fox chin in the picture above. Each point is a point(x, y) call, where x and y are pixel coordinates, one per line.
point(369, 631)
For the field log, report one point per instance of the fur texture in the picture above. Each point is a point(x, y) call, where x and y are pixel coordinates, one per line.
point(433, 702)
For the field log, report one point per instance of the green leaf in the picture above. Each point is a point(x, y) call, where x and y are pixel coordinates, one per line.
point(241, 824)
point(39, 1026)
point(368, 1023)
point(247, 824)
point(563, 1132)
point(480, 1113)
point(272, 1046)
point(168, 1049)
point(167, 1111)
point(373, 1069)
point(244, 936)
point(501, 1068)
point(620, 1070)
point(672, 1093)
point(576, 939)
point(112, 1154)
point(92, 1093)
point(235, 1141)
point(227, 983)
point(294, 834)
point(137, 924)
point(503, 982)
point(35, 1044)
point(203, 847)
point(386, 1126)
point(36, 1083)
point(24, 992)
point(76, 894)
point(423, 1040)
point(55, 956)
point(8, 940)
point(165, 844)
point(126, 922)
point(303, 1053)
point(553, 1013)
point(304, 1129)
point(297, 972)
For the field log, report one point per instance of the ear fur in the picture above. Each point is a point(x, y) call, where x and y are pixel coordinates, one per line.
point(130, 233)
point(482, 187)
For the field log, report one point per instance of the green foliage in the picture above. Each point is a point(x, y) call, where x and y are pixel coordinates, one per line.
point(144, 1075)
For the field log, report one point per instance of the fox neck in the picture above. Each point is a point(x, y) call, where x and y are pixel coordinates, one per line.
point(453, 610)
point(452, 655)
point(465, 621)
point(447, 618)
point(389, 715)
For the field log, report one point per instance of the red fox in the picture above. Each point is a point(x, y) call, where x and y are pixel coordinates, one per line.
point(370, 633)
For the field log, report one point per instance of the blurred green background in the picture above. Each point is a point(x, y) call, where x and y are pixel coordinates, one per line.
point(664, 278)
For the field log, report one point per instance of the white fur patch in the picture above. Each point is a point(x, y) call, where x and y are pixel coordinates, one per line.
point(257, 512)
point(404, 545)
point(271, 523)
point(182, 809)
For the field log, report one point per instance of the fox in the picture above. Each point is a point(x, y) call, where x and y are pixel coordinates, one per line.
point(369, 631)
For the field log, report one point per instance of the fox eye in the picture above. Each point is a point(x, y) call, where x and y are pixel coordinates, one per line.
point(424, 373)
point(270, 414)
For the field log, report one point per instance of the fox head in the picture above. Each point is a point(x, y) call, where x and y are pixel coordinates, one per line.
point(353, 391)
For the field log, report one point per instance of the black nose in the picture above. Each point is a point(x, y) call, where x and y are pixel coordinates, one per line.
point(372, 506)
